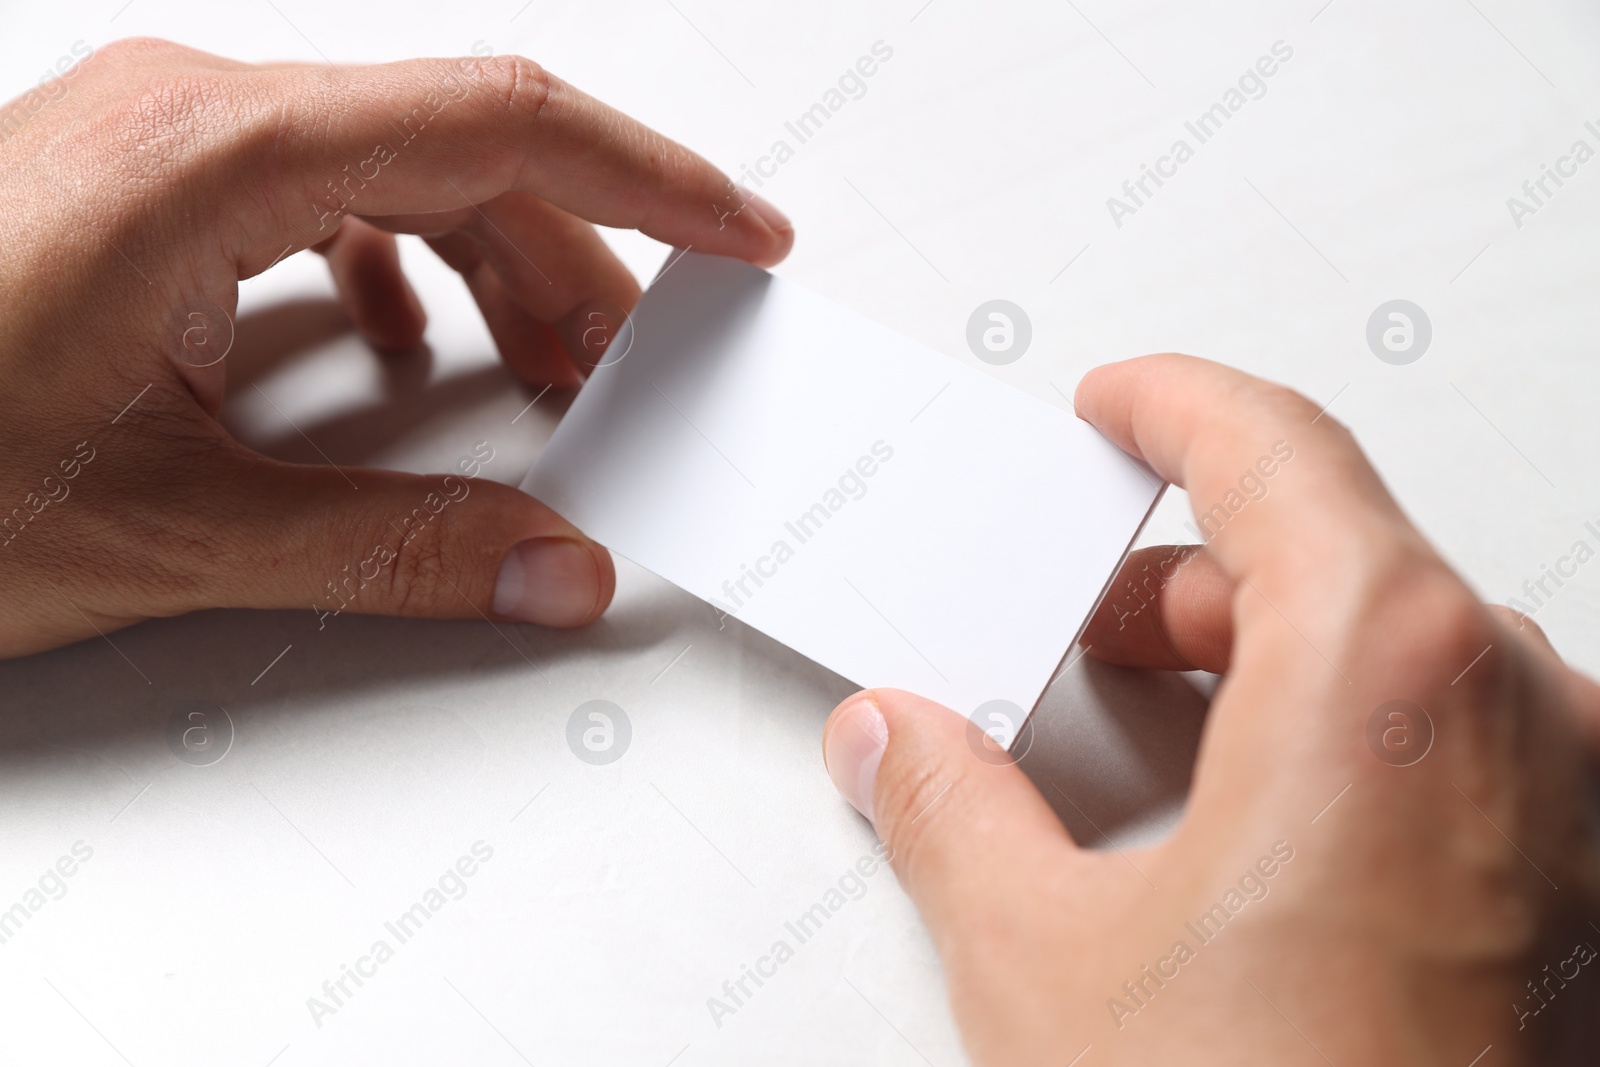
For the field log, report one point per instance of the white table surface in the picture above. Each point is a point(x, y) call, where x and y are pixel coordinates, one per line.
point(375, 752)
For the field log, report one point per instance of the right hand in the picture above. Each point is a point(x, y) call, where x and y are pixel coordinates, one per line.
point(1362, 902)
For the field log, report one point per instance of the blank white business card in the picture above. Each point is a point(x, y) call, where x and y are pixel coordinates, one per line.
point(896, 516)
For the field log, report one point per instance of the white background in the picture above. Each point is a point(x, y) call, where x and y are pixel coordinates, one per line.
point(375, 752)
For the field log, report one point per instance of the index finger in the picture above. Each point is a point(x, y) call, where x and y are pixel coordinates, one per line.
point(1277, 487)
point(443, 135)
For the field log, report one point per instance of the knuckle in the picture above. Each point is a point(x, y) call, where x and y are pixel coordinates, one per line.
point(417, 574)
point(522, 87)
point(459, 251)
point(1288, 404)
point(1460, 622)
point(1426, 622)
point(909, 801)
point(160, 124)
point(1512, 619)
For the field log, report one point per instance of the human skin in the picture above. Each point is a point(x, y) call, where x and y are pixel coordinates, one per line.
point(1418, 901)
point(158, 177)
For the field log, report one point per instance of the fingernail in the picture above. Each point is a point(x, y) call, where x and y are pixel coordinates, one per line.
point(769, 214)
point(853, 747)
point(553, 581)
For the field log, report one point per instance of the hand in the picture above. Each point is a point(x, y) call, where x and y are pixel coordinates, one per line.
point(153, 178)
point(1329, 897)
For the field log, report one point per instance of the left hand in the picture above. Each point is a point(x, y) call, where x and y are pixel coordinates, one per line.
point(154, 179)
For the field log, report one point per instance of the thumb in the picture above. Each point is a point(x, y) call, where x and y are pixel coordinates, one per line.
point(381, 542)
point(967, 831)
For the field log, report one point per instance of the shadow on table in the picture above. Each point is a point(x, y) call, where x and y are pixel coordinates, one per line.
point(411, 395)
point(1113, 750)
point(96, 695)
